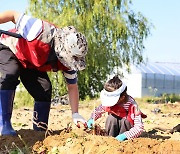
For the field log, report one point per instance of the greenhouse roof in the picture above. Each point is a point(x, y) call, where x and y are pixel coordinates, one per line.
point(158, 68)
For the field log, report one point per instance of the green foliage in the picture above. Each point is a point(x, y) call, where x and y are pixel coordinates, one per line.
point(23, 98)
point(115, 35)
point(15, 151)
point(18, 151)
point(171, 97)
point(58, 82)
point(165, 98)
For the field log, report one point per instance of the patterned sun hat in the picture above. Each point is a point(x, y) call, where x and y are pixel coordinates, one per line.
point(70, 47)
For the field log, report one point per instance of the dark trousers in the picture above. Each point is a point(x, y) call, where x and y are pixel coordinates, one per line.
point(37, 83)
point(116, 125)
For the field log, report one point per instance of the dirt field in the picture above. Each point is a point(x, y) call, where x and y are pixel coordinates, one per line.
point(64, 138)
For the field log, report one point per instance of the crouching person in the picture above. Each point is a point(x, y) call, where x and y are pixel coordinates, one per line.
point(124, 119)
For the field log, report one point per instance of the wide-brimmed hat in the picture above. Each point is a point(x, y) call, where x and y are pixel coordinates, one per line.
point(70, 47)
point(111, 98)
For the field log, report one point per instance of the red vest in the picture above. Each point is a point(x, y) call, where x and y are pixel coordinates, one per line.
point(33, 54)
point(121, 112)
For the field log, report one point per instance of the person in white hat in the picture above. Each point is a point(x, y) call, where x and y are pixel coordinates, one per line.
point(29, 51)
point(124, 119)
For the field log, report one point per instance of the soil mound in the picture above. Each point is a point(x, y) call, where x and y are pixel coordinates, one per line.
point(80, 142)
point(161, 136)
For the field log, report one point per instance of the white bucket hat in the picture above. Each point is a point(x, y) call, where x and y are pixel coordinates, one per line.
point(111, 98)
point(70, 47)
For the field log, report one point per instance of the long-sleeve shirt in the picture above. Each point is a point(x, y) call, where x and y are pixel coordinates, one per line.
point(33, 50)
point(138, 126)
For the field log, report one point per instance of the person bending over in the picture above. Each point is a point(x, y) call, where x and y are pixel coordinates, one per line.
point(41, 47)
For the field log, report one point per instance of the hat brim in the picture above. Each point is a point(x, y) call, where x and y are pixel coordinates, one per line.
point(111, 98)
point(108, 100)
point(77, 63)
point(73, 63)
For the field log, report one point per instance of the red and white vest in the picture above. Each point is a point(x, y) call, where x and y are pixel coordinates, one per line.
point(36, 54)
point(123, 113)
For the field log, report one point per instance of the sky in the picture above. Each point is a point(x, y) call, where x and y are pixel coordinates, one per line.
point(163, 45)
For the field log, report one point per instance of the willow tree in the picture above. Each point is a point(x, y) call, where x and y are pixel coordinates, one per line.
point(114, 31)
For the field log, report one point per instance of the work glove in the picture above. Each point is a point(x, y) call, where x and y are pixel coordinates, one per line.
point(78, 118)
point(121, 137)
point(90, 123)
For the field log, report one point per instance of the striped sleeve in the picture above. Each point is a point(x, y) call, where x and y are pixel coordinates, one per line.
point(70, 76)
point(138, 128)
point(98, 112)
point(126, 105)
point(29, 27)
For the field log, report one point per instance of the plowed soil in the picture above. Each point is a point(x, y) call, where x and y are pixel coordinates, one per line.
point(65, 138)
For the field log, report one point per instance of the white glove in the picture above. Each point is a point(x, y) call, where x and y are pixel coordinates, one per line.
point(78, 118)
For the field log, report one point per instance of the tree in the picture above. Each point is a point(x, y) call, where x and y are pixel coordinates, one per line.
point(114, 31)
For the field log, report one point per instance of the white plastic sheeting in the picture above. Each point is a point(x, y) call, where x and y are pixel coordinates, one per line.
point(158, 68)
point(153, 79)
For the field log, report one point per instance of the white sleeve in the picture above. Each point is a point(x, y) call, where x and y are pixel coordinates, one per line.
point(29, 27)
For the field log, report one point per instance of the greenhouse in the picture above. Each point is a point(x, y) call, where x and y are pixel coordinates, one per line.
point(153, 79)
